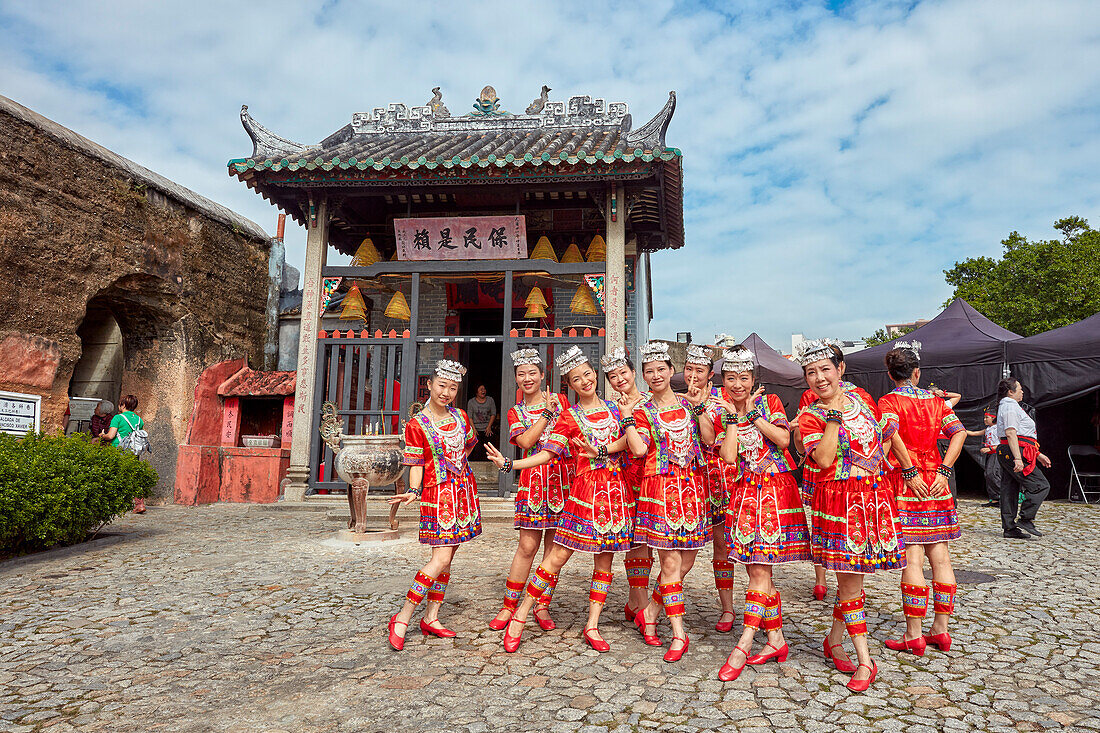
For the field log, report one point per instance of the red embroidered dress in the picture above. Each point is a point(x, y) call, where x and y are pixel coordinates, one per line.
point(672, 506)
point(449, 510)
point(599, 511)
point(854, 526)
point(719, 477)
point(921, 417)
point(542, 489)
point(810, 471)
point(765, 523)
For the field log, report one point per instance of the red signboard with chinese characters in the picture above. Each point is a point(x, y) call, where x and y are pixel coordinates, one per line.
point(462, 238)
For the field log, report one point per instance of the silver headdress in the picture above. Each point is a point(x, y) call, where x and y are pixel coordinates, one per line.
point(813, 350)
point(613, 359)
point(655, 351)
point(447, 369)
point(725, 341)
point(913, 346)
point(738, 359)
point(570, 359)
point(526, 356)
point(697, 354)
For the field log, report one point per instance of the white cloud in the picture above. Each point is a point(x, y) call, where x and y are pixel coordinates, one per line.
point(835, 163)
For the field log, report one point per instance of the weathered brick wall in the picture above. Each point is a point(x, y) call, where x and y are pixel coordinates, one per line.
point(187, 290)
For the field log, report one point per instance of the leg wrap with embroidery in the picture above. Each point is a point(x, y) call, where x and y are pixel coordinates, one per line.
point(601, 584)
point(855, 620)
point(419, 588)
point(914, 600)
point(548, 594)
point(756, 604)
point(657, 598)
point(837, 613)
point(943, 597)
point(773, 613)
point(512, 592)
point(672, 596)
point(542, 580)
point(439, 588)
point(723, 574)
point(637, 571)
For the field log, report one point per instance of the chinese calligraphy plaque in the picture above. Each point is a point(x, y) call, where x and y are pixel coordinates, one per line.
point(462, 238)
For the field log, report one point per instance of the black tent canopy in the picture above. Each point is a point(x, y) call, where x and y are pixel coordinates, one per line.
point(1059, 365)
point(961, 351)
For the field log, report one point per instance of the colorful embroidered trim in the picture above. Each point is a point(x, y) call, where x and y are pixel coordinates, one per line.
point(773, 613)
point(419, 588)
point(661, 441)
point(943, 596)
point(673, 595)
point(637, 571)
point(542, 580)
point(657, 597)
point(601, 584)
point(756, 604)
point(914, 600)
point(512, 591)
point(439, 588)
point(723, 574)
point(855, 620)
point(548, 594)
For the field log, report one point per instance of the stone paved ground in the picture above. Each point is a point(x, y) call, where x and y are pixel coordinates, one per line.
point(235, 618)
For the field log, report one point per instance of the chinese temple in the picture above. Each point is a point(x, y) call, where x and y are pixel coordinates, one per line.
point(470, 235)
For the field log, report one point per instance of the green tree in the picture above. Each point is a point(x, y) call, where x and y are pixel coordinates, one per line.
point(879, 337)
point(1036, 285)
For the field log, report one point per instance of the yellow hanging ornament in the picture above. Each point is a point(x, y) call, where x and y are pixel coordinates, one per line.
point(366, 255)
point(597, 249)
point(398, 307)
point(536, 304)
point(572, 254)
point(354, 308)
point(583, 302)
point(543, 251)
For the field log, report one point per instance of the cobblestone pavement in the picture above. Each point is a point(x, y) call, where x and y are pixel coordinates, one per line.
point(236, 618)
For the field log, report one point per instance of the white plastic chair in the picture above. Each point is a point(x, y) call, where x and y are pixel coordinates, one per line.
point(1085, 483)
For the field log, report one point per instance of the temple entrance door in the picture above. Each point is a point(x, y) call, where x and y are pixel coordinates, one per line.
point(483, 364)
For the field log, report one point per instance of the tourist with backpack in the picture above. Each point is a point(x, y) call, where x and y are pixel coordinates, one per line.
point(127, 431)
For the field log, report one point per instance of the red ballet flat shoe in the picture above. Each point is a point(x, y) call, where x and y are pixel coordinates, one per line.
point(941, 641)
point(629, 612)
point(673, 655)
point(511, 643)
point(397, 642)
point(598, 644)
point(728, 673)
point(640, 624)
point(545, 622)
point(441, 631)
point(497, 624)
point(915, 646)
point(779, 655)
point(842, 665)
point(819, 592)
point(861, 685)
point(725, 626)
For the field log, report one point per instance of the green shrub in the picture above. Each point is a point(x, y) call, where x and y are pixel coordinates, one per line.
point(56, 489)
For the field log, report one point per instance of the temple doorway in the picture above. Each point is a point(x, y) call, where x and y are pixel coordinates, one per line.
point(98, 373)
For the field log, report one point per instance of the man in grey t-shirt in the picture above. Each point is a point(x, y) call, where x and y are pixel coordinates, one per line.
point(482, 410)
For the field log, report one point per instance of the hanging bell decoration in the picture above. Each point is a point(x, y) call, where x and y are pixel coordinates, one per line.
point(398, 307)
point(583, 303)
point(597, 249)
point(572, 254)
point(536, 304)
point(543, 251)
point(354, 308)
point(366, 255)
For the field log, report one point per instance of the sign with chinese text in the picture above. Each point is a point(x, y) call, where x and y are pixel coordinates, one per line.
point(19, 413)
point(462, 238)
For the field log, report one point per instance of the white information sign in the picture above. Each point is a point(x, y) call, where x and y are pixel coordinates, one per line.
point(19, 413)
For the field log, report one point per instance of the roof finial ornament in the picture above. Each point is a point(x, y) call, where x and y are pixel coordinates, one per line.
point(487, 104)
point(265, 143)
point(535, 107)
point(436, 104)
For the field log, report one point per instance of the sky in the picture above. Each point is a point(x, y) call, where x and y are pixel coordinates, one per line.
point(838, 156)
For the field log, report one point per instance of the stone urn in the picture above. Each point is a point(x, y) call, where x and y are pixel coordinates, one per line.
point(361, 461)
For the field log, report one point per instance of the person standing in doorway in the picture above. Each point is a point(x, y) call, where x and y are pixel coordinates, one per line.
point(1018, 454)
point(101, 420)
point(482, 410)
point(120, 428)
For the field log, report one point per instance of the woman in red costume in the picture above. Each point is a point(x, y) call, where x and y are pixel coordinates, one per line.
point(855, 528)
point(718, 479)
point(672, 511)
point(542, 489)
point(620, 374)
point(438, 440)
point(810, 471)
point(599, 512)
point(765, 525)
point(927, 511)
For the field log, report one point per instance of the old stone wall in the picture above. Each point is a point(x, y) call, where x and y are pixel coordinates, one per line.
point(187, 289)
